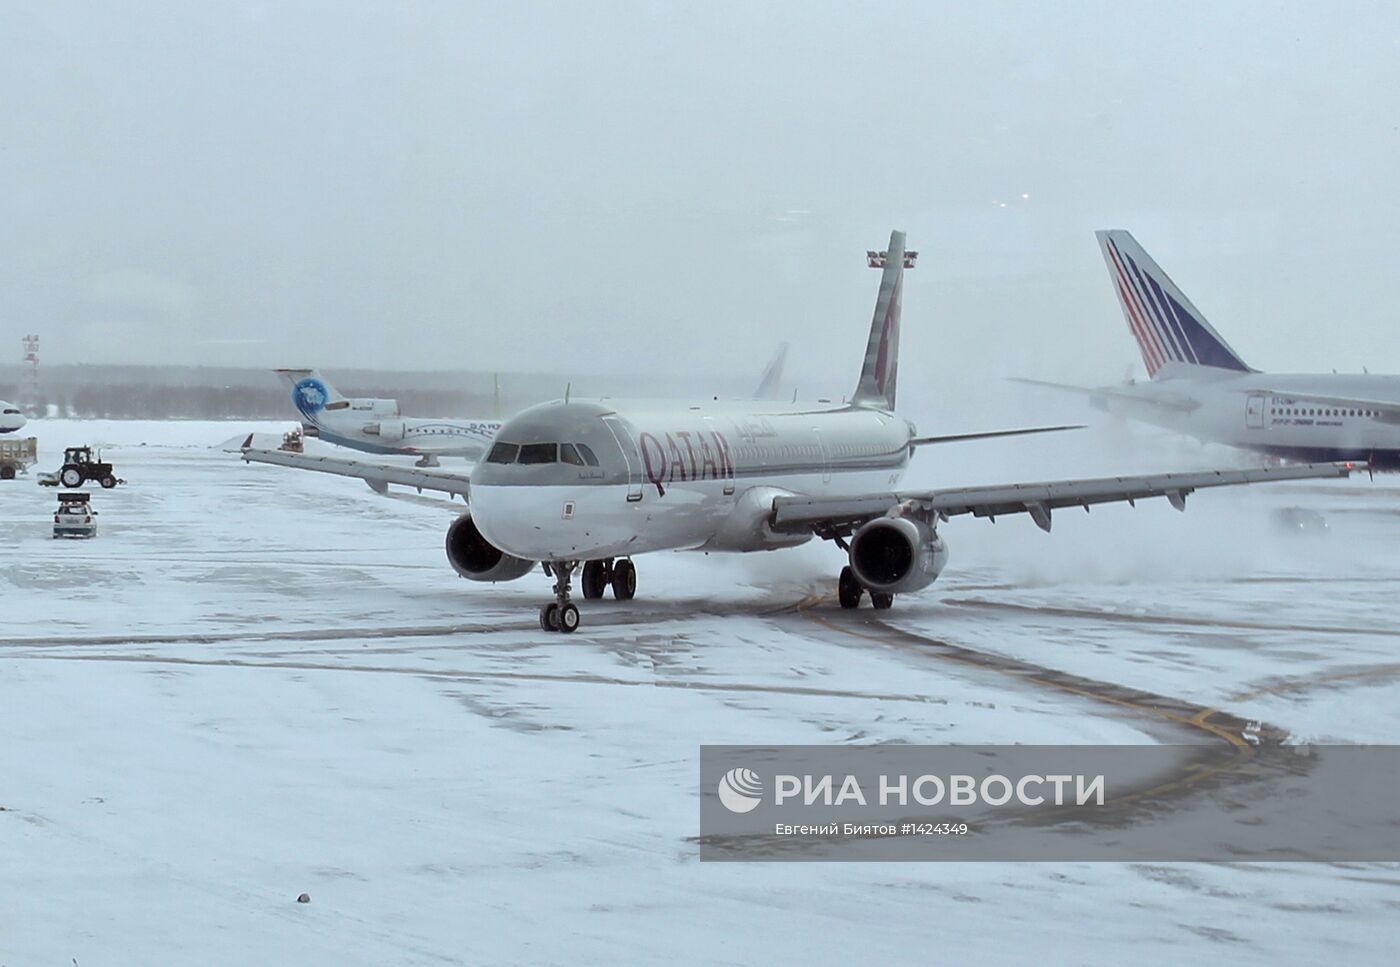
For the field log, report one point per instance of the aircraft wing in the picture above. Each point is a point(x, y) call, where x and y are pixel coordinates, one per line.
point(1387, 411)
point(1179, 403)
point(835, 516)
point(378, 476)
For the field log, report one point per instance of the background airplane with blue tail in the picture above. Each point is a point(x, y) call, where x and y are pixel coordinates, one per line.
point(1201, 387)
point(378, 426)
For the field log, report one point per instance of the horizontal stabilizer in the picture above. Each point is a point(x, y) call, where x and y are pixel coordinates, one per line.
point(923, 441)
point(1157, 400)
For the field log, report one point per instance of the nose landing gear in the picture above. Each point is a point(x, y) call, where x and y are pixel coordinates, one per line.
point(562, 614)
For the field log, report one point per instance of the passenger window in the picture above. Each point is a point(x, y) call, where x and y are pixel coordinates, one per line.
point(536, 453)
point(503, 453)
point(588, 456)
point(569, 455)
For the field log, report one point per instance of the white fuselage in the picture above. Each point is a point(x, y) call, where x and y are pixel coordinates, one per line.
point(11, 419)
point(376, 434)
point(1270, 413)
point(697, 477)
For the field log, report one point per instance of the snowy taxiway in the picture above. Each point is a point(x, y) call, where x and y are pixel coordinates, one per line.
point(257, 683)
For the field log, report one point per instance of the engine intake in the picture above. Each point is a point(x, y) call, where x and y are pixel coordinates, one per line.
point(477, 559)
point(896, 555)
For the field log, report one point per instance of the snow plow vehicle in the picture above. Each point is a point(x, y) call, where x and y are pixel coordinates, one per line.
point(81, 464)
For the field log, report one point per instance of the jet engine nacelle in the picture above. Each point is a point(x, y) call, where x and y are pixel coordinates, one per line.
point(477, 559)
point(390, 431)
point(896, 555)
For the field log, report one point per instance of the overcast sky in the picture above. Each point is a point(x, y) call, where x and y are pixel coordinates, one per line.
point(619, 186)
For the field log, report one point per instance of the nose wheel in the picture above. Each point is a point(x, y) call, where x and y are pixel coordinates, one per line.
point(561, 614)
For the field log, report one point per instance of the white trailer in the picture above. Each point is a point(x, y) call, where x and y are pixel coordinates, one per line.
point(16, 456)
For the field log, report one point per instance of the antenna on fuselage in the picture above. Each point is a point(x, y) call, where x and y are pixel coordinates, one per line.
point(567, 388)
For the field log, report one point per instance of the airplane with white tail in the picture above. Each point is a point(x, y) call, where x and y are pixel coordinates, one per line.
point(591, 484)
point(1200, 386)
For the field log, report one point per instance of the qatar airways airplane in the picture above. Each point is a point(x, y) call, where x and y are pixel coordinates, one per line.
point(11, 419)
point(592, 484)
point(1201, 387)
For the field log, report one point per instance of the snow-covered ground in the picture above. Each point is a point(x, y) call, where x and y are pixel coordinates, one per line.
point(258, 682)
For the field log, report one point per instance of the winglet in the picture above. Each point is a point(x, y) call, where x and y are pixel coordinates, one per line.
point(879, 374)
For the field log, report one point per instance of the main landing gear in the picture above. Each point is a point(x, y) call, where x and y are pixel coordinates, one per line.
point(620, 575)
point(849, 590)
point(562, 614)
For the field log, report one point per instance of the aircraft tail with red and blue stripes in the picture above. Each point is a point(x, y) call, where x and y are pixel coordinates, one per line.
point(1170, 331)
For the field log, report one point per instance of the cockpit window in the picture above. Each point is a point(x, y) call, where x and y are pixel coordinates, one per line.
point(569, 454)
point(502, 453)
point(587, 454)
point(12, 412)
point(539, 453)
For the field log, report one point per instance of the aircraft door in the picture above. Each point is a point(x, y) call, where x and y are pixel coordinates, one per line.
point(630, 454)
point(825, 454)
point(1254, 411)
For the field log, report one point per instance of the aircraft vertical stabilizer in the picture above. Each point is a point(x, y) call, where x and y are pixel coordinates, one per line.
point(879, 374)
point(1167, 327)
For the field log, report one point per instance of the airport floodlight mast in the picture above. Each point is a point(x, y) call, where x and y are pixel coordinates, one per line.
point(29, 392)
point(876, 260)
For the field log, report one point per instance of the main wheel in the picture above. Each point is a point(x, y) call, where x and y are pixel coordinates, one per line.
point(880, 601)
point(108, 482)
point(848, 589)
point(71, 477)
point(624, 580)
point(595, 579)
point(549, 617)
point(568, 618)
point(7, 472)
